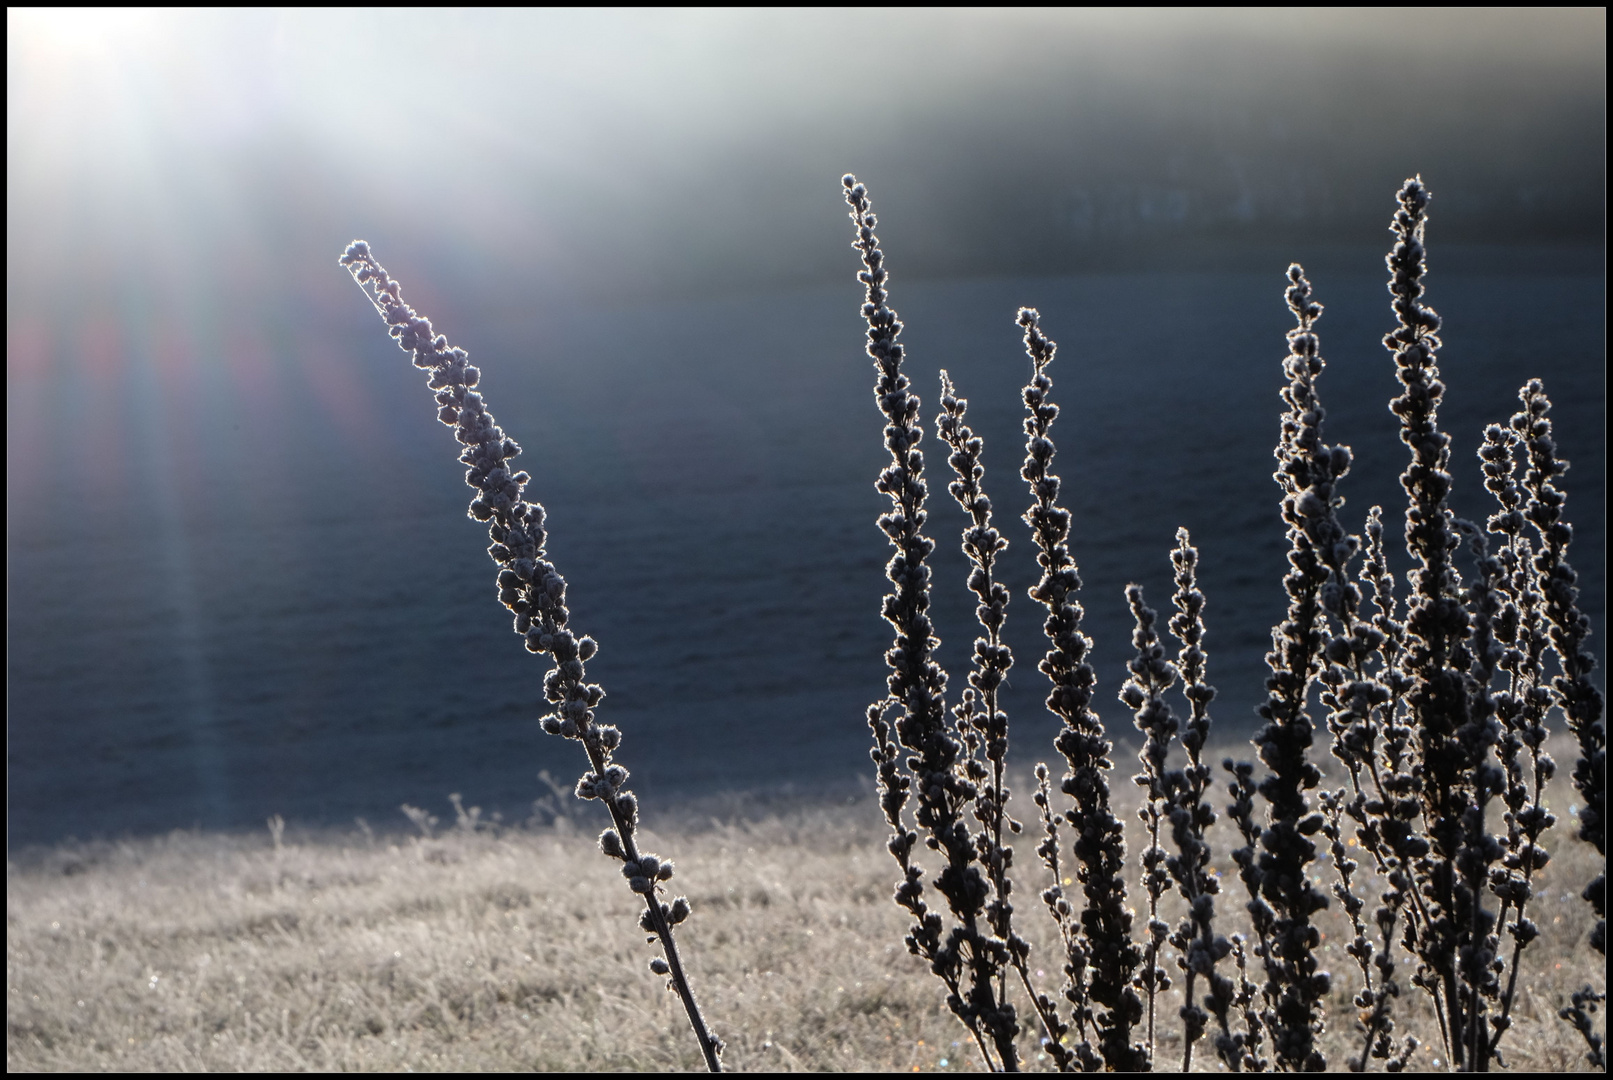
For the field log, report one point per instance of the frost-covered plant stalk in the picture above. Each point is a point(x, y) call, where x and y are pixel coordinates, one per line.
point(1363, 689)
point(533, 590)
point(969, 957)
point(1449, 699)
point(1144, 694)
point(1569, 632)
point(1103, 958)
point(1282, 898)
point(1521, 706)
point(983, 723)
point(1553, 581)
point(1351, 690)
point(1188, 789)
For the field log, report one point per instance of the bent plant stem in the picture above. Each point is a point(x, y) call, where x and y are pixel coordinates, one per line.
point(710, 1045)
point(531, 588)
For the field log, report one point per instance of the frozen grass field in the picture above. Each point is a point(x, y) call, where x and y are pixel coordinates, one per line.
point(510, 950)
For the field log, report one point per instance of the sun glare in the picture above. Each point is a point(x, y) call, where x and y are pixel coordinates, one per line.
point(81, 34)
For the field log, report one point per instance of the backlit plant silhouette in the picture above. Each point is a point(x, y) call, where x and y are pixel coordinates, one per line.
point(1435, 714)
point(533, 590)
point(1434, 704)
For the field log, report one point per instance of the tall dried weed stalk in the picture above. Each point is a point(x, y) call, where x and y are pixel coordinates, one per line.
point(535, 593)
point(1435, 705)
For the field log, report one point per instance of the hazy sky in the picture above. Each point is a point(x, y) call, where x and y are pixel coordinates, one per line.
point(699, 151)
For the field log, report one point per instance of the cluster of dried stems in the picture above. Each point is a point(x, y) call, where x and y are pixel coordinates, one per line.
point(1435, 704)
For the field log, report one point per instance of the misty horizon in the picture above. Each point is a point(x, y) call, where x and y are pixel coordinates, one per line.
point(695, 153)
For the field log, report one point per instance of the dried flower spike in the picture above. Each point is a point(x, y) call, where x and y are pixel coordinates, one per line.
point(533, 590)
point(968, 958)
